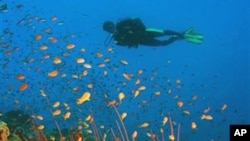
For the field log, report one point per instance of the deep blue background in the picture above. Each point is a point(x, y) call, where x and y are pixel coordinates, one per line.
point(217, 71)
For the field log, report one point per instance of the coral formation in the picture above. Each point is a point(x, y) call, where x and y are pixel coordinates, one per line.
point(4, 131)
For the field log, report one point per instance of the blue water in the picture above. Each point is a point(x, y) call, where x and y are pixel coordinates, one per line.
point(216, 71)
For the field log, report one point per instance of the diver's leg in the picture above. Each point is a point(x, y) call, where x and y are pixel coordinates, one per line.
point(155, 32)
point(159, 32)
point(172, 33)
point(155, 42)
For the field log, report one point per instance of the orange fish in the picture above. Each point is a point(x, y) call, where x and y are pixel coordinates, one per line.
point(121, 96)
point(66, 115)
point(206, 117)
point(143, 125)
point(134, 135)
point(56, 112)
point(23, 87)
point(38, 37)
point(20, 76)
point(180, 103)
point(40, 127)
point(193, 125)
point(123, 115)
point(70, 46)
point(57, 60)
point(56, 104)
point(141, 88)
point(90, 85)
point(80, 60)
point(137, 81)
point(53, 73)
point(99, 54)
point(127, 76)
point(85, 97)
point(136, 93)
point(112, 103)
point(52, 39)
point(164, 121)
point(39, 117)
point(86, 65)
point(43, 47)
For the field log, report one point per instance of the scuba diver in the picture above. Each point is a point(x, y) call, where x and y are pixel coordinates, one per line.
point(132, 32)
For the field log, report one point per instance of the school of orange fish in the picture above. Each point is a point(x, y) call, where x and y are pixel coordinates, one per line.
point(76, 85)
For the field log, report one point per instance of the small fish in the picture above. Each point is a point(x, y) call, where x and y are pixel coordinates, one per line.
point(70, 46)
point(39, 117)
point(136, 93)
point(20, 76)
point(206, 110)
point(38, 36)
point(164, 121)
point(193, 125)
point(80, 60)
point(53, 39)
point(141, 88)
point(85, 73)
point(178, 81)
point(53, 73)
point(85, 97)
point(54, 18)
point(88, 118)
point(157, 93)
point(90, 85)
point(66, 105)
point(99, 54)
point(143, 125)
point(206, 117)
point(123, 115)
point(180, 103)
point(223, 107)
point(66, 115)
point(137, 81)
point(57, 60)
point(139, 72)
point(56, 104)
point(23, 87)
point(43, 47)
point(56, 112)
point(124, 62)
point(42, 93)
point(127, 76)
point(86, 65)
point(187, 112)
point(40, 127)
point(134, 135)
point(112, 103)
point(121, 96)
point(101, 65)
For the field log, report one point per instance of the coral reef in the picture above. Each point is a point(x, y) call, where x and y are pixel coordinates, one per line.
point(4, 131)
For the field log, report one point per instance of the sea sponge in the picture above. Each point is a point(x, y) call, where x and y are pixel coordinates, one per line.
point(4, 131)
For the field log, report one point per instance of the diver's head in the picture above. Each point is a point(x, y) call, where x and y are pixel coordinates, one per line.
point(108, 26)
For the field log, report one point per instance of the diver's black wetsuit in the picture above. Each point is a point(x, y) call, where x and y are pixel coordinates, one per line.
point(132, 32)
point(149, 38)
